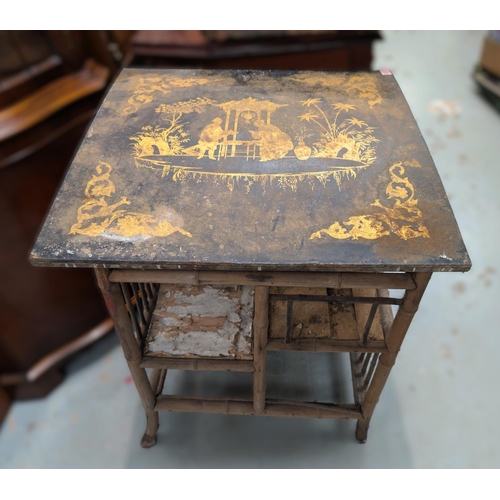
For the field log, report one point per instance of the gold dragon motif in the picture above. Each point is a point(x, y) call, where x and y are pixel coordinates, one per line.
point(403, 219)
point(96, 216)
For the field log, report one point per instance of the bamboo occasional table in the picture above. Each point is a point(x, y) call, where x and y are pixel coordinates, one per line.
point(229, 213)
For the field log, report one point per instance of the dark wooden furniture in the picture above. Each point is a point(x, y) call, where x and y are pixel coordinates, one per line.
point(487, 72)
point(294, 50)
point(231, 213)
point(51, 84)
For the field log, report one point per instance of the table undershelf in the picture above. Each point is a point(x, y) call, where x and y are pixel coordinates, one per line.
point(210, 327)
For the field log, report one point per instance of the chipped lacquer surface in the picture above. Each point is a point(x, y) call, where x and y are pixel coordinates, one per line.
point(202, 321)
point(253, 170)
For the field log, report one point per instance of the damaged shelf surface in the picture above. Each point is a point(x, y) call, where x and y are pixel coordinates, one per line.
point(202, 321)
point(215, 322)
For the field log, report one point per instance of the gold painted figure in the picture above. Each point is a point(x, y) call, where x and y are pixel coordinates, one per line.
point(273, 142)
point(210, 137)
point(347, 143)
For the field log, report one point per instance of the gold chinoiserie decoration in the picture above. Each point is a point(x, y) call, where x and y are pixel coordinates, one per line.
point(148, 87)
point(350, 139)
point(336, 143)
point(404, 218)
point(362, 86)
point(96, 217)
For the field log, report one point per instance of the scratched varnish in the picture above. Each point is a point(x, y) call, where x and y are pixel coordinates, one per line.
point(253, 170)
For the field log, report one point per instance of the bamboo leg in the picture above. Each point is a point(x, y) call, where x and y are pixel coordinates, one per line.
point(131, 350)
point(149, 438)
point(260, 332)
point(362, 430)
point(394, 340)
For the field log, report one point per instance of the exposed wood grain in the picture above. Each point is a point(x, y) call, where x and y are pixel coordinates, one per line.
point(309, 319)
point(343, 324)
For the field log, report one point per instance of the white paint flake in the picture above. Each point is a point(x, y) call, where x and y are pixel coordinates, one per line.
point(209, 321)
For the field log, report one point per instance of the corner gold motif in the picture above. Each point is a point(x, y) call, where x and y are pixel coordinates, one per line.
point(145, 90)
point(96, 217)
point(362, 86)
point(403, 219)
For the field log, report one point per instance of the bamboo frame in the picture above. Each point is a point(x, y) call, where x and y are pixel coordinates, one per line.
point(112, 293)
point(336, 298)
point(260, 329)
point(140, 300)
point(292, 279)
point(326, 345)
point(219, 365)
point(394, 340)
point(131, 297)
point(157, 380)
point(362, 370)
point(272, 409)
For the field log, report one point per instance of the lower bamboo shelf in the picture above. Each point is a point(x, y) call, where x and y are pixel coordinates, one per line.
point(298, 384)
point(361, 365)
point(277, 408)
point(235, 321)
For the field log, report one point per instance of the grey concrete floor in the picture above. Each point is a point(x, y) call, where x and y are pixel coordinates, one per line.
point(440, 405)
